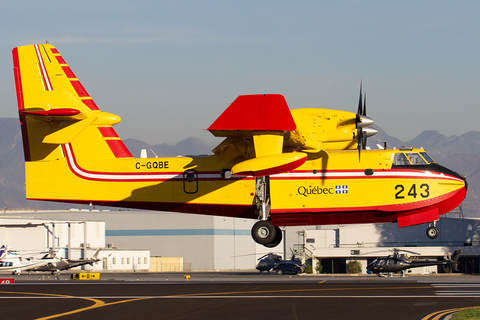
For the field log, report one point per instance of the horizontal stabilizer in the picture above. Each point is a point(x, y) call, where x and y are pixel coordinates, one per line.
point(268, 165)
point(53, 113)
point(65, 133)
point(262, 112)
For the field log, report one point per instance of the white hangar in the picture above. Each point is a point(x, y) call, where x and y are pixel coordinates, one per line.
point(222, 243)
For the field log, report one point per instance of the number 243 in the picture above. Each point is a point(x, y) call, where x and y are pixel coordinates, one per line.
point(424, 191)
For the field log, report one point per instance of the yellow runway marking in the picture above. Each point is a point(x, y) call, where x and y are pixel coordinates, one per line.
point(97, 303)
point(323, 281)
point(439, 314)
point(296, 290)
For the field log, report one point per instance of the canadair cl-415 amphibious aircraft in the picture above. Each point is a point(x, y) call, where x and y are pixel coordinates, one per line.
point(283, 167)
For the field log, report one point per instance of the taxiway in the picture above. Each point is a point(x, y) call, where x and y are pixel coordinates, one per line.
point(247, 295)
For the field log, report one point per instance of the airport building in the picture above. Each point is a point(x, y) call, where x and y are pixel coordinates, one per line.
point(34, 237)
point(174, 240)
point(335, 246)
point(165, 241)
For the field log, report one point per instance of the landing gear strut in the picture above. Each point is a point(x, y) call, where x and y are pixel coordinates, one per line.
point(432, 230)
point(264, 232)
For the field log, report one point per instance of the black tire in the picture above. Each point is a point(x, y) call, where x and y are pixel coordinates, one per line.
point(263, 232)
point(280, 272)
point(277, 240)
point(432, 232)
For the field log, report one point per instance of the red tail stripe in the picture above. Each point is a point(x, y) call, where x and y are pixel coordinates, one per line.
point(79, 89)
point(68, 72)
point(60, 60)
point(20, 102)
point(108, 132)
point(119, 149)
point(91, 104)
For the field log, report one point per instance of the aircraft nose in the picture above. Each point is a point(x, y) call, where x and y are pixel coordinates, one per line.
point(438, 168)
point(463, 177)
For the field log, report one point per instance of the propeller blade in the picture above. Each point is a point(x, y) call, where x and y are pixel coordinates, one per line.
point(359, 110)
point(364, 136)
point(364, 105)
point(359, 141)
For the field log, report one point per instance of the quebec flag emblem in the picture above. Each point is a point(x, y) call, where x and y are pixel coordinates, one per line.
point(341, 189)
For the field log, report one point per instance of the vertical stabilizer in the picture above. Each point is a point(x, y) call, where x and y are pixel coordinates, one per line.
point(55, 109)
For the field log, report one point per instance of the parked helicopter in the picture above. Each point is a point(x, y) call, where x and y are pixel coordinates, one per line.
point(270, 260)
point(15, 263)
point(400, 262)
point(65, 264)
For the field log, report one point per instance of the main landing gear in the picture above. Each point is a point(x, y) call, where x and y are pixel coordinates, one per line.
point(264, 232)
point(432, 230)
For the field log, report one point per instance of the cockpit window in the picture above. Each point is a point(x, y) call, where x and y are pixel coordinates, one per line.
point(415, 158)
point(401, 160)
point(426, 157)
point(411, 158)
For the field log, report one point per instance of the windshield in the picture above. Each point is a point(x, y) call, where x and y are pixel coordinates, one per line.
point(426, 157)
point(411, 158)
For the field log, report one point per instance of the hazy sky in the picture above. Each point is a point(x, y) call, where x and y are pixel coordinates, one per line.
point(170, 68)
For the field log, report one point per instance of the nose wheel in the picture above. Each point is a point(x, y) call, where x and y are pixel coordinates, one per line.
point(432, 232)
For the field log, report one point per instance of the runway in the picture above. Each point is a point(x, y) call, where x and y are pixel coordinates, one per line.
point(236, 296)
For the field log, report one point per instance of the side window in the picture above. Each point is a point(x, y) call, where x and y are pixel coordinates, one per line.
point(401, 160)
point(415, 158)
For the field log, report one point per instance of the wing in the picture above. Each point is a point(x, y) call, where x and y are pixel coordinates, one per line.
point(254, 127)
point(264, 137)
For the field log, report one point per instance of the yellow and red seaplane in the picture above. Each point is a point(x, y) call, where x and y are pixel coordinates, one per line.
point(284, 167)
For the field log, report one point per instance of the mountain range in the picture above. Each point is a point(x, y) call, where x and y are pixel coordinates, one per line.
point(459, 153)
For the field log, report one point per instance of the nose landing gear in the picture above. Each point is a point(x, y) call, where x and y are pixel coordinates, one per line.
point(432, 230)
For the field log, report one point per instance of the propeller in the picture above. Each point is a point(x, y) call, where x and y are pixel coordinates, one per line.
point(362, 122)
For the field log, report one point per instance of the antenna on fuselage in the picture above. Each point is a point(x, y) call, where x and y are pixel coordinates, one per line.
point(154, 153)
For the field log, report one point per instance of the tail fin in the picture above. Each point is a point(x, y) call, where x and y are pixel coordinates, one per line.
point(96, 253)
point(59, 120)
point(59, 254)
point(55, 109)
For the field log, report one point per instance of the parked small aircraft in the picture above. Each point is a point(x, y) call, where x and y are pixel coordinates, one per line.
point(65, 264)
point(282, 167)
point(14, 262)
point(401, 262)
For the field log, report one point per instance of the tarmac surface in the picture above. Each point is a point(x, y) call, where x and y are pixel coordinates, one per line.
point(236, 295)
